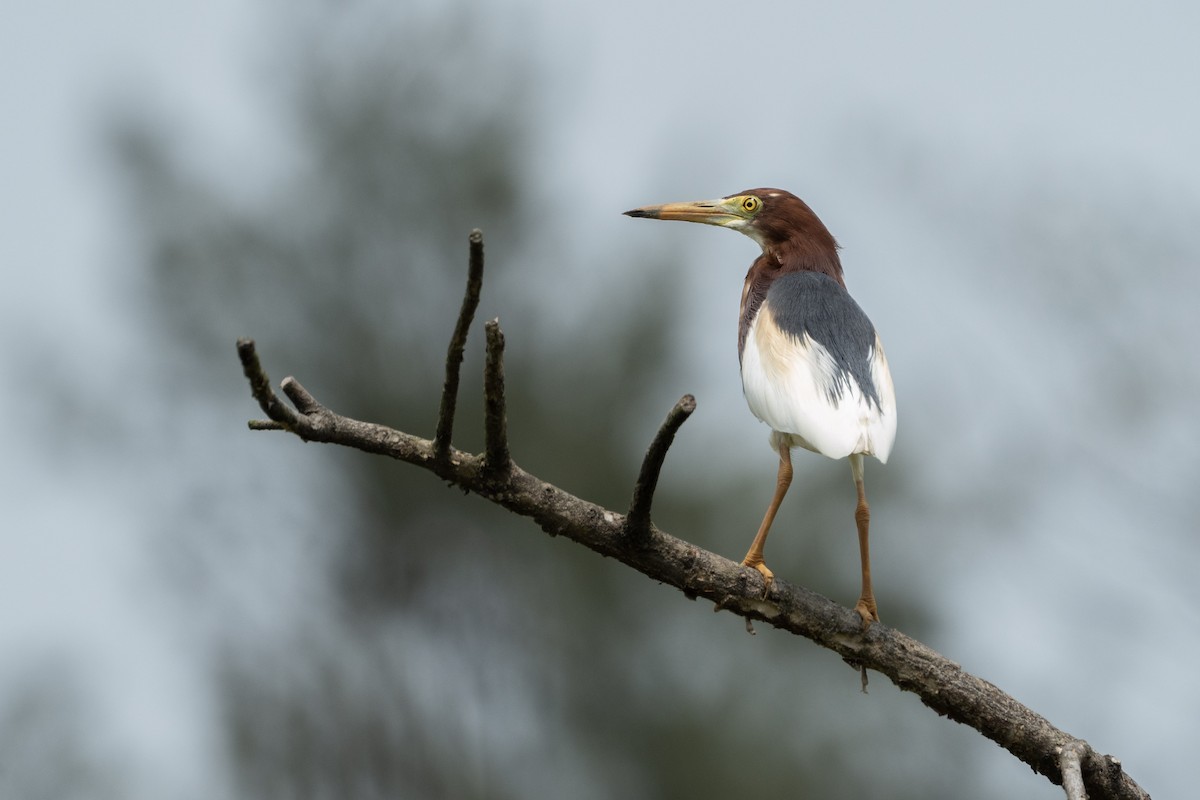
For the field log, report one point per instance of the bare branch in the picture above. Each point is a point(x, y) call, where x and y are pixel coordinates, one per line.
point(495, 415)
point(940, 683)
point(458, 342)
point(647, 481)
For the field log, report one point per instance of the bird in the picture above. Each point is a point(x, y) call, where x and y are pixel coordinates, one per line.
point(812, 363)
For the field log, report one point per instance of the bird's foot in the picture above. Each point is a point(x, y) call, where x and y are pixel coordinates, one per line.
point(867, 610)
point(768, 576)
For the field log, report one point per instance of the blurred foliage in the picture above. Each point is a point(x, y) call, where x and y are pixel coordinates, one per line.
point(46, 749)
point(450, 649)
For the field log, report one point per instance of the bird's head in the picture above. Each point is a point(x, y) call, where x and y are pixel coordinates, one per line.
point(782, 224)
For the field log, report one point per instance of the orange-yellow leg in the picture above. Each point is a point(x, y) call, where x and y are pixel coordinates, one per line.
point(754, 558)
point(862, 517)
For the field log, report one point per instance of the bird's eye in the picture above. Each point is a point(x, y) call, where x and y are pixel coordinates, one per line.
point(751, 204)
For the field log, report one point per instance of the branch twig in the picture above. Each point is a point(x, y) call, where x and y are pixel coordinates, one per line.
point(647, 481)
point(1070, 762)
point(458, 342)
point(495, 415)
point(260, 387)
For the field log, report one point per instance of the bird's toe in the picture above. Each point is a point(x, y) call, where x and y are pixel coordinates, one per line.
point(767, 576)
point(867, 610)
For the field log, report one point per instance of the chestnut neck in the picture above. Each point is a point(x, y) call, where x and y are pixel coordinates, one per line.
point(816, 253)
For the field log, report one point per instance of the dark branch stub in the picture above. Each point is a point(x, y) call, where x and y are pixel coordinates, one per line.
point(304, 402)
point(940, 683)
point(458, 343)
point(497, 459)
point(638, 519)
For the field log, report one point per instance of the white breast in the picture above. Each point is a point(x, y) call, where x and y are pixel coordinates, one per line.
point(789, 382)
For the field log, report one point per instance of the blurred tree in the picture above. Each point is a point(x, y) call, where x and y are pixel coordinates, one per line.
point(46, 752)
point(428, 645)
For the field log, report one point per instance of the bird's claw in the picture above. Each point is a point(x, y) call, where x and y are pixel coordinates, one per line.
point(767, 576)
point(867, 610)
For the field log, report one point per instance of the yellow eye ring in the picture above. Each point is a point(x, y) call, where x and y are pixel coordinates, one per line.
point(751, 204)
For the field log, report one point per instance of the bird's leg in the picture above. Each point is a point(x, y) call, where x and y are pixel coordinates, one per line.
point(754, 558)
point(862, 517)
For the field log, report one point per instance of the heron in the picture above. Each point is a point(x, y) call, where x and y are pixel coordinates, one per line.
point(813, 366)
